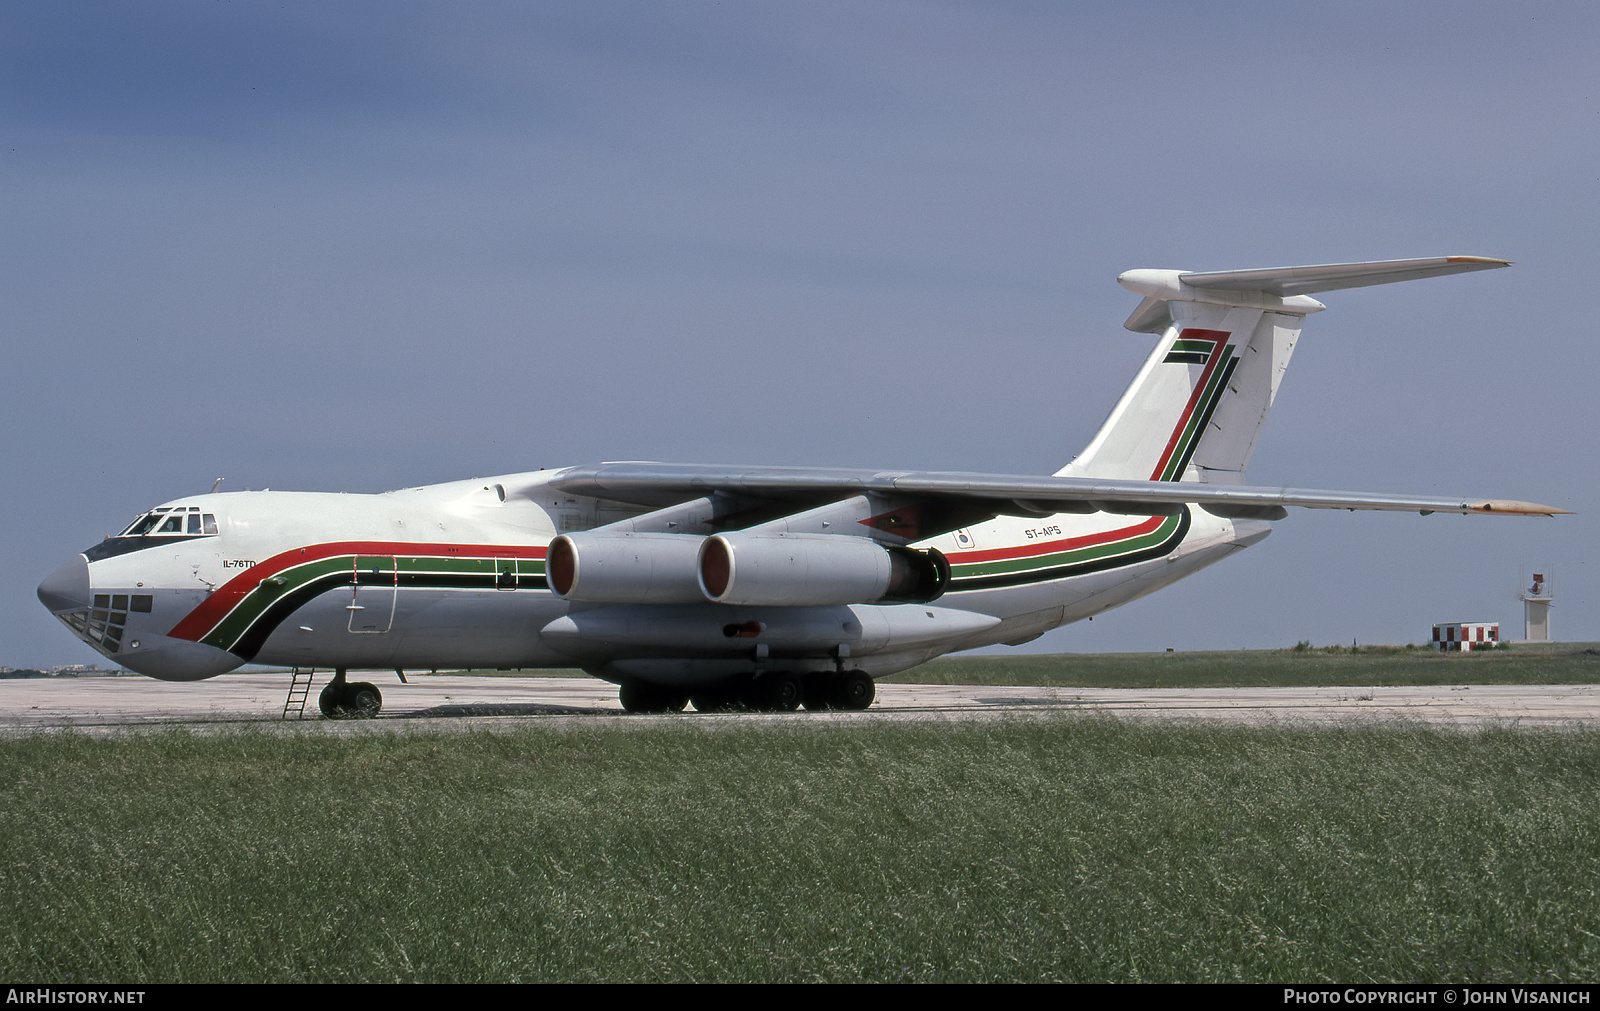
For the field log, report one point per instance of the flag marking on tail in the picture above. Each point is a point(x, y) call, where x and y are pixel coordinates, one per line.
point(1190, 352)
point(1196, 346)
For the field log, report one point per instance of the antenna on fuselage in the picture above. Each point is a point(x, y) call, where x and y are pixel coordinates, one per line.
point(214, 485)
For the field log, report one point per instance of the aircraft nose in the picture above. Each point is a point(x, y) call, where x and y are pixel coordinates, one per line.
point(67, 588)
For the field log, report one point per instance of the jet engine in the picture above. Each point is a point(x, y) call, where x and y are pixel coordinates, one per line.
point(624, 568)
point(817, 569)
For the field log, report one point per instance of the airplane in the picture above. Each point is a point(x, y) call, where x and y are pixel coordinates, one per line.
point(757, 587)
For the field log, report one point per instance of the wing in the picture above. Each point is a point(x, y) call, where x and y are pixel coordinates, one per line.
point(663, 484)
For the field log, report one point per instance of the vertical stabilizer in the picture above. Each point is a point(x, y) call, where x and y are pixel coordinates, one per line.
point(1195, 410)
point(1194, 393)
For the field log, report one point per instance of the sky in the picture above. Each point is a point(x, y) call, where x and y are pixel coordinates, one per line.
point(363, 246)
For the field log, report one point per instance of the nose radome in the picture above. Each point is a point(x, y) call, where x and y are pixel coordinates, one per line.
point(67, 588)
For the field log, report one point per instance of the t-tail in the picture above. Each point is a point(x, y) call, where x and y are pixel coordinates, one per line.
point(1196, 408)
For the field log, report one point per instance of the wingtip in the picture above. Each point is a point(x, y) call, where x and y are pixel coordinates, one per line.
point(1487, 261)
point(1510, 507)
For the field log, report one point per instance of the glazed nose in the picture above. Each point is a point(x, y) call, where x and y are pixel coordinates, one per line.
point(67, 588)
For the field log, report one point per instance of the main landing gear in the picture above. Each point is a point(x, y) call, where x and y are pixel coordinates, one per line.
point(846, 689)
point(345, 700)
point(638, 697)
point(767, 692)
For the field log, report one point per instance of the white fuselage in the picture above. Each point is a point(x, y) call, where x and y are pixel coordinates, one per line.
point(452, 576)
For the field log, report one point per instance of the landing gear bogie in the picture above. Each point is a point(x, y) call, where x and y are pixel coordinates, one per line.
point(786, 691)
point(851, 690)
point(639, 697)
point(775, 692)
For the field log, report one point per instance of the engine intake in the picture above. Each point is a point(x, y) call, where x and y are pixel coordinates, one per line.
point(624, 568)
point(817, 569)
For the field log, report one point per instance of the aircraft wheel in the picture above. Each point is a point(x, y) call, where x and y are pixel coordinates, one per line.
point(362, 700)
point(637, 697)
point(776, 692)
point(856, 690)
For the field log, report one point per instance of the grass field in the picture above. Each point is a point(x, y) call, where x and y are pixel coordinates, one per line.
point(1057, 848)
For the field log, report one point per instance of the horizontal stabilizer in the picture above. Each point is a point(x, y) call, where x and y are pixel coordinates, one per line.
point(1276, 289)
point(1289, 281)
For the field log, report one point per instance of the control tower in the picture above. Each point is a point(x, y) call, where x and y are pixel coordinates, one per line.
point(1536, 597)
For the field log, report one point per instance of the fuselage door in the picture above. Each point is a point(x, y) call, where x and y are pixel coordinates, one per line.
point(374, 582)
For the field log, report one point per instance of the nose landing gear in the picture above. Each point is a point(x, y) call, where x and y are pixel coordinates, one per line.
point(345, 700)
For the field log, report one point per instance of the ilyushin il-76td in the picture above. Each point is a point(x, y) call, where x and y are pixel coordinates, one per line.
point(760, 587)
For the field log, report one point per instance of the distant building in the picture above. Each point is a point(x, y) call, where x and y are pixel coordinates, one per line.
point(1466, 635)
point(72, 670)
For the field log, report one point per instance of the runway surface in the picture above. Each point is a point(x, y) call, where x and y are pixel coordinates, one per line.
point(439, 701)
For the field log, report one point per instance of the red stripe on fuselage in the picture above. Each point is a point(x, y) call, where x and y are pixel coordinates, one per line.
point(1195, 333)
point(227, 596)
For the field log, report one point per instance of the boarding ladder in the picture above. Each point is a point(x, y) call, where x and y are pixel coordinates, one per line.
point(299, 689)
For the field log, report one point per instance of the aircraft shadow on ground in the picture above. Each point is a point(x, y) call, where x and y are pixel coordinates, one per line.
point(1018, 701)
point(506, 709)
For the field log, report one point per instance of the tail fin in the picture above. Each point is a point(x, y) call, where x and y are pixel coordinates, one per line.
point(1196, 408)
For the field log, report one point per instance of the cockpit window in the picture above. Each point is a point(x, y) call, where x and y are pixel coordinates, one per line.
point(187, 521)
point(162, 525)
point(141, 526)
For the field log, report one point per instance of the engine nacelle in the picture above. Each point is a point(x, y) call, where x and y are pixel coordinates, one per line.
point(625, 568)
point(816, 569)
